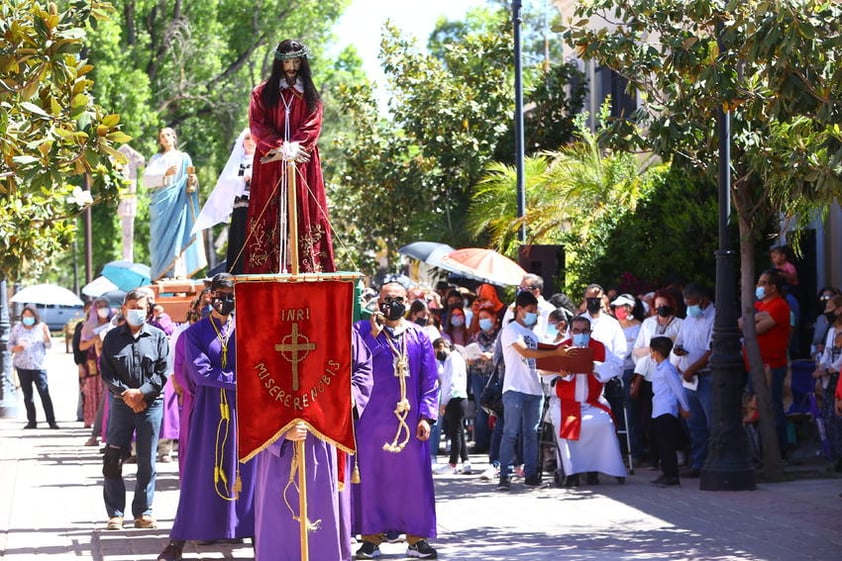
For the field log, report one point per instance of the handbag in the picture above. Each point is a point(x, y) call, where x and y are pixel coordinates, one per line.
point(491, 398)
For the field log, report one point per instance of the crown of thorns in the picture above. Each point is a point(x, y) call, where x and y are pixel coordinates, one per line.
point(303, 52)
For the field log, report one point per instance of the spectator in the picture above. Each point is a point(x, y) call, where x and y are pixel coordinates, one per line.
point(604, 328)
point(782, 258)
point(827, 371)
point(557, 323)
point(690, 355)
point(456, 332)
point(821, 325)
point(668, 402)
point(134, 369)
point(420, 315)
point(80, 358)
point(29, 341)
point(534, 285)
point(93, 390)
point(522, 391)
point(581, 415)
point(663, 323)
point(480, 368)
point(453, 404)
point(772, 323)
point(626, 309)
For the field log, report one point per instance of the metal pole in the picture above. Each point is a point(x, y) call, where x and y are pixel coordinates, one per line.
point(8, 393)
point(521, 192)
point(727, 467)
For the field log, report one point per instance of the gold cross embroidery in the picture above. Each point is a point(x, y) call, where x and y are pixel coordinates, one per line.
point(290, 344)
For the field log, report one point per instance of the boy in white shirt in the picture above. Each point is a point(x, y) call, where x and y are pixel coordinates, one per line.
point(668, 401)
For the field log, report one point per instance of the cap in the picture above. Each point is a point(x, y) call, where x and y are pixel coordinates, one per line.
point(623, 300)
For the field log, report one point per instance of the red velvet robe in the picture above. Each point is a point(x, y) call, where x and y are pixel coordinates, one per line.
point(261, 253)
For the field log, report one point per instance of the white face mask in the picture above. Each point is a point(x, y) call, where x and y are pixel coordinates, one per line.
point(136, 318)
point(103, 313)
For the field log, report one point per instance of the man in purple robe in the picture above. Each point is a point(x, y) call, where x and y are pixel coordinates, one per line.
point(217, 492)
point(395, 493)
point(277, 535)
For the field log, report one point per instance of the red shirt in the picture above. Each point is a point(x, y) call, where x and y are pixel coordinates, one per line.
point(775, 342)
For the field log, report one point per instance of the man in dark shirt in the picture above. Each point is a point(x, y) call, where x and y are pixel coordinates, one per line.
point(134, 369)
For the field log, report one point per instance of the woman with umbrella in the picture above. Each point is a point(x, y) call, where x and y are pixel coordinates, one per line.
point(29, 342)
point(90, 342)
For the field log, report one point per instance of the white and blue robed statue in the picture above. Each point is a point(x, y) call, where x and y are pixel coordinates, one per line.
point(175, 251)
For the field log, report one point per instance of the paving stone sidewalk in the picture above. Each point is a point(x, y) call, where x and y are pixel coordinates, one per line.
point(51, 508)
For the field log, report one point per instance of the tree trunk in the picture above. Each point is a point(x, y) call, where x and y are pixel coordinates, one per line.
point(772, 464)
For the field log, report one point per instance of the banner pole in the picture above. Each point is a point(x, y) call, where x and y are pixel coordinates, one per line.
point(302, 500)
point(292, 213)
point(292, 245)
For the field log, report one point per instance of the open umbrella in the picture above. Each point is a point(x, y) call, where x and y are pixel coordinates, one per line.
point(46, 294)
point(127, 275)
point(483, 264)
point(98, 287)
point(428, 252)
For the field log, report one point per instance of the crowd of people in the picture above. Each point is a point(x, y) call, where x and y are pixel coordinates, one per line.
point(453, 369)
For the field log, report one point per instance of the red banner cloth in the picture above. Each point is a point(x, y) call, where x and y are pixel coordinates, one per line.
point(293, 361)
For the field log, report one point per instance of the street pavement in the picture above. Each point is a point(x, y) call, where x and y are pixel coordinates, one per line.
point(51, 508)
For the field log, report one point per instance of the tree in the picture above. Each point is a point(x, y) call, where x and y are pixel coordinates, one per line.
point(53, 134)
point(559, 185)
point(773, 66)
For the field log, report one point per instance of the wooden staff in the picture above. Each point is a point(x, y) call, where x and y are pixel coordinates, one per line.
point(292, 246)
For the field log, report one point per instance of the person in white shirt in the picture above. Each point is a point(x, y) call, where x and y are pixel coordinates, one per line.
point(604, 328)
point(690, 355)
point(668, 402)
point(522, 390)
point(453, 404)
point(534, 285)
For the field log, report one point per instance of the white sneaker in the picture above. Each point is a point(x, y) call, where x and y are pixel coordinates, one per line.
point(444, 469)
point(466, 468)
point(490, 474)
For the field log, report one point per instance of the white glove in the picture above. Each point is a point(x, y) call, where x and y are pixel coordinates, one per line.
point(291, 151)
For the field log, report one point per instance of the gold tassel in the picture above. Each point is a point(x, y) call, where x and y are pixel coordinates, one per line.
point(238, 483)
point(355, 475)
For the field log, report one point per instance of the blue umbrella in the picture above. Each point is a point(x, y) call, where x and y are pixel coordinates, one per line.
point(428, 252)
point(127, 275)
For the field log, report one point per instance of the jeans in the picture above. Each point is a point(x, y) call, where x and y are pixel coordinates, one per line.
point(39, 378)
point(778, 376)
point(698, 425)
point(482, 434)
point(523, 413)
point(121, 423)
point(435, 437)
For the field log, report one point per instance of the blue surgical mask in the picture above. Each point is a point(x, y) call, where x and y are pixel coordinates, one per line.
point(28, 321)
point(581, 339)
point(760, 292)
point(486, 324)
point(552, 331)
point(457, 321)
point(530, 319)
point(694, 311)
point(136, 318)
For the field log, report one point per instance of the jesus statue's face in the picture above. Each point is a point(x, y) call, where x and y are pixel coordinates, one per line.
point(290, 68)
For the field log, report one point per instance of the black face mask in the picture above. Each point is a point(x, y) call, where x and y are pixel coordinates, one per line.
point(441, 355)
point(422, 321)
point(664, 311)
point(393, 310)
point(223, 305)
point(830, 316)
point(593, 304)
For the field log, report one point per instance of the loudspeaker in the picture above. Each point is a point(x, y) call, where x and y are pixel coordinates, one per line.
point(546, 261)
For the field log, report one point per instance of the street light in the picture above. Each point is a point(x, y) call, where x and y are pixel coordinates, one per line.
point(521, 192)
point(727, 467)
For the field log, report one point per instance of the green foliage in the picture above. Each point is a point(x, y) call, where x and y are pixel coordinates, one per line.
point(671, 233)
point(559, 185)
point(52, 132)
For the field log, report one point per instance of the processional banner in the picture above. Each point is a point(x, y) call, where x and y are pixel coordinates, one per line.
point(293, 359)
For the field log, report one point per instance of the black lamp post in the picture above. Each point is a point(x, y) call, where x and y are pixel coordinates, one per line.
point(727, 467)
point(521, 192)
